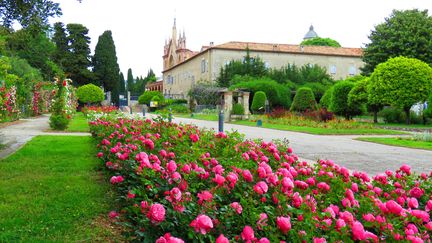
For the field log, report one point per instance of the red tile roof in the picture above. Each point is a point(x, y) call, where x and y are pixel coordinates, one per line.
point(297, 49)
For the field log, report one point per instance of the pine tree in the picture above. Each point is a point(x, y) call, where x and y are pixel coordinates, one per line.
point(105, 64)
point(61, 52)
point(78, 63)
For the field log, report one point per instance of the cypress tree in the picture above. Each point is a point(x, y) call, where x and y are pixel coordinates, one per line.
point(105, 64)
point(130, 80)
point(61, 52)
point(122, 88)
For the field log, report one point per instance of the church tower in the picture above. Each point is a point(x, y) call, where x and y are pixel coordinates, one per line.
point(175, 50)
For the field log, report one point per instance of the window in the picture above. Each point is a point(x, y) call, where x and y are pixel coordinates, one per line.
point(333, 69)
point(267, 65)
point(352, 71)
point(203, 66)
point(170, 79)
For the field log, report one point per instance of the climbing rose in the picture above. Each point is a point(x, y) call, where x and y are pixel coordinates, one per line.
point(202, 224)
point(248, 233)
point(156, 213)
point(284, 224)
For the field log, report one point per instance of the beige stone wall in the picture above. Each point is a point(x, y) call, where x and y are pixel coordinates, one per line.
point(190, 72)
point(185, 75)
point(277, 60)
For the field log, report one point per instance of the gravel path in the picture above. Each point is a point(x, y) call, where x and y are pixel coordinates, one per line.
point(15, 136)
point(354, 155)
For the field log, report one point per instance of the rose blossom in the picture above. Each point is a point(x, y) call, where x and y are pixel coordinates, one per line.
point(248, 233)
point(261, 187)
point(222, 239)
point(202, 224)
point(156, 214)
point(237, 207)
point(284, 224)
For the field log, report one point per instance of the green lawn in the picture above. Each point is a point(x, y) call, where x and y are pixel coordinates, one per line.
point(415, 126)
point(78, 123)
point(198, 116)
point(400, 142)
point(320, 131)
point(50, 190)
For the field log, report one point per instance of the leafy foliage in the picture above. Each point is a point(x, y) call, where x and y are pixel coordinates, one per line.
point(325, 100)
point(90, 93)
point(147, 96)
point(278, 94)
point(339, 100)
point(130, 80)
point(122, 84)
point(318, 41)
point(205, 94)
point(401, 82)
point(28, 12)
point(258, 102)
point(304, 100)
point(238, 109)
point(61, 53)
point(251, 66)
point(405, 33)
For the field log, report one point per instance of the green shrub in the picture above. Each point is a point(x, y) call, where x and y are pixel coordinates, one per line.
point(278, 94)
point(177, 108)
point(59, 122)
point(90, 93)
point(339, 100)
point(303, 100)
point(325, 100)
point(392, 115)
point(238, 109)
point(147, 96)
point(428, 111)
point(258, 102)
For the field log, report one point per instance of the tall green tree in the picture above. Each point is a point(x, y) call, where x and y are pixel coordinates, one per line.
point(106, 68)
point(122, 88)
point(401, 82)
point(78, 64)
point(28, 12)
point(130, 80)
point(61, 53)
point(405, 33)
point(318, 41)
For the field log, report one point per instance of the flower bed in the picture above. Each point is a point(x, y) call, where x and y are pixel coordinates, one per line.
point(178, 183)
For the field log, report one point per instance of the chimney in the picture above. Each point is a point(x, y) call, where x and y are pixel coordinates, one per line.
point(302, 48)
point(211, 43)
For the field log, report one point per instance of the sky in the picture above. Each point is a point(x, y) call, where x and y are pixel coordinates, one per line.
point(140, 27)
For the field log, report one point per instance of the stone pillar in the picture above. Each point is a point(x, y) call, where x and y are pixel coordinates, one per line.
point(109, 97)
point(228, 99)
point(245, 103)
point(128, 98)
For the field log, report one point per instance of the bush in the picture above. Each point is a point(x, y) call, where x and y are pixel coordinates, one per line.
point(325, 100)
point(147, 96)
point(278, 112)
point(258, 102)
point(339, 100)
point(277, 94)
point(392, 115)
point(196, 184)
point(90, 93)
point(177, 108)
point(237, 109)
point(320, 115)
point(303, 100)
point(59, 122)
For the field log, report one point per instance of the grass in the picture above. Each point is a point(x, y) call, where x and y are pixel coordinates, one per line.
point(199, 116)
point(419, 126)
point(400, 142)
point(322, 131)
point(78, 123)
point(50, 190)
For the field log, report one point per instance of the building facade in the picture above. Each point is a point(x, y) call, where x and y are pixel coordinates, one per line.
point(205, 65)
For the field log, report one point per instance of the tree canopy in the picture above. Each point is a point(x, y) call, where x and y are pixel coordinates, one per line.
point(318, 41)
point(90, 93)
point(405, 33)
point(28, 12)
point(401, 82)
point(130, 80)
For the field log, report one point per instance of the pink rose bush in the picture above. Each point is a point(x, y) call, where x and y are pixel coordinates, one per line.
point(178, 183)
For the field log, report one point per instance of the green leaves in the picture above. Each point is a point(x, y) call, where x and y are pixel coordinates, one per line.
point(318, 41)
point(90, 93)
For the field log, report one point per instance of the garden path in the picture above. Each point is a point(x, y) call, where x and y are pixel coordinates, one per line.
point(343, 150)
point(15, 136)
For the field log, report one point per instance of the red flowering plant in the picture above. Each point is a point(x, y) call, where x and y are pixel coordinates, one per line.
point(181, 183)
point(8, 104)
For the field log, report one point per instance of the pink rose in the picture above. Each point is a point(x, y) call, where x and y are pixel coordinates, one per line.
point(247, 176)
point(194, 137)
point(319, 240)
point(237, 207)
point(423, 215)
point(167, 238)
point(204, 196)
point(248, 233)
point(222, 239)
point(393, 207)
point(261, 187)
point(113, 214)
point(358, 231)
point(156, 214)
point(262, 221)
point(171, 166)
point(284, 224)
point(219, 180)
point(412, 202)
point(202, 224)
point(416, 192)
point(264, 240)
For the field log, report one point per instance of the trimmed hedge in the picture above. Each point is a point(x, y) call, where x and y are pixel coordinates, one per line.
point(304, 100)
point(238, 109)
point(258, 102)
point(90, 93)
